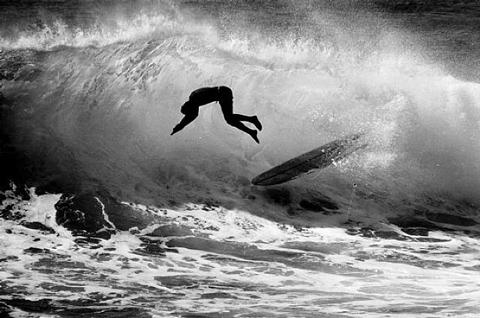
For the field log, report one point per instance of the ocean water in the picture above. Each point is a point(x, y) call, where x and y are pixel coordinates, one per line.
point(91, 90)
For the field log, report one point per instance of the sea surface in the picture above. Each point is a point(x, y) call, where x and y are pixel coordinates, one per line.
point(104, 214)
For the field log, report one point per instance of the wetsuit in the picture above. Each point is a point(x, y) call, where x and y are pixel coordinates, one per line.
point(224, 96)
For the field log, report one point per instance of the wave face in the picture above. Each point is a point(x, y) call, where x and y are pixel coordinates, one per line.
point(93, 104)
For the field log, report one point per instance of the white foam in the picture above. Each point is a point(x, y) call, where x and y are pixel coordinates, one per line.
point(357, 269)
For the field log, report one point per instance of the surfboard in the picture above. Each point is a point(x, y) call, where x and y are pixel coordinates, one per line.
point(317, 158)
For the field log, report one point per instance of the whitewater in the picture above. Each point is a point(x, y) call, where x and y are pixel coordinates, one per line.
point(103, 213)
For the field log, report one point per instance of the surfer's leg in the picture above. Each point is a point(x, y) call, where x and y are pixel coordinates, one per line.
point(238, 124)
point(190, 116)
point(234, 120)
point(251, 119)
point(226, 102)
point(239, 118)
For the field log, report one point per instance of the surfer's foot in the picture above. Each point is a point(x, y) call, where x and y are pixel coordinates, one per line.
point(257, 123)
point(254, 136)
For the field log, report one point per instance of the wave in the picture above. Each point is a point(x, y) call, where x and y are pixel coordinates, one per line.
point(47, 31)
point(100, 110)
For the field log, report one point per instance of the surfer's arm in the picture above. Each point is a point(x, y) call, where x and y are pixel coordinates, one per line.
point(175, 130)
point(184, 122)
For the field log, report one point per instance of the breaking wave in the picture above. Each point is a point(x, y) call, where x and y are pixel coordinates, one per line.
point(94, 105)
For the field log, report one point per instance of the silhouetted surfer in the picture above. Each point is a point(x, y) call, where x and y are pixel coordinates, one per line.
point(224, 96)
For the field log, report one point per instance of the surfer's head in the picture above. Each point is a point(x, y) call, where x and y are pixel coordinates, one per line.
point(186, 107)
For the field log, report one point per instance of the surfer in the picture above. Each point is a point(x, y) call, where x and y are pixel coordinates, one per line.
point(224, 96)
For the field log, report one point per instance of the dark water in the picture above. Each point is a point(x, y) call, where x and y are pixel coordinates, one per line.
point(91, 90)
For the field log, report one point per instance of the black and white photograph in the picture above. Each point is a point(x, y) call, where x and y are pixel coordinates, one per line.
point(239, 158)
